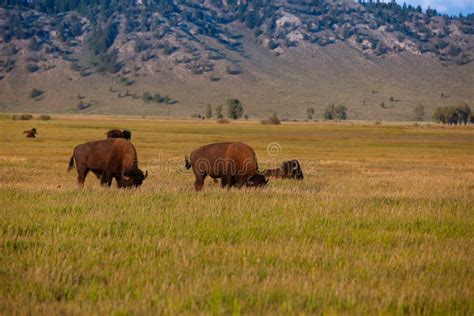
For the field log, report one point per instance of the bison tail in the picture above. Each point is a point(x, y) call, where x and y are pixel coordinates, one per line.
point(71, 163)
point(187, 163)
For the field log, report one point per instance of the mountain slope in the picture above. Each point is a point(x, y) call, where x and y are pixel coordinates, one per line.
point(170, 58)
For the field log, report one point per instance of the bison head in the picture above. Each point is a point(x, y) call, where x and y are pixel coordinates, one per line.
point(292, 169)
point(133, 178)
point(126, 134)
point(257, 180)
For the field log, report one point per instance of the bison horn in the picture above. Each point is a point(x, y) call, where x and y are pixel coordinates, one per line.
point(266, 181)
point(146, 174)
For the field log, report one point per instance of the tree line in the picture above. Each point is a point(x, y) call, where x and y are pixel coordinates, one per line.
point(454, 115)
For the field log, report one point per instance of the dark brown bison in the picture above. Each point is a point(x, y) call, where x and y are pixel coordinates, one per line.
point(108, 159)
point(31, 133)
point(234, 163)
point(290, 169)
point(116, 133)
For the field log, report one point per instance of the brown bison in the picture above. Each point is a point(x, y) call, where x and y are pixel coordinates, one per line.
point(290, 169)
point(31, 133)
point(234, 163)
point(116, 133)
point(108, 159)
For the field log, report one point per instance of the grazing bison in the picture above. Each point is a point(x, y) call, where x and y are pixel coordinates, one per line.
point(234, 163)
point(116, 133)
point(31, 133)
point(108, 159)
point(290, 169)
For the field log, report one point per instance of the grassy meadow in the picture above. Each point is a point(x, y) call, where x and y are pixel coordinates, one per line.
point(383, 223)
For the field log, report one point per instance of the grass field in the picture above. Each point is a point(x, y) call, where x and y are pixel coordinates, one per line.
point(382, 223)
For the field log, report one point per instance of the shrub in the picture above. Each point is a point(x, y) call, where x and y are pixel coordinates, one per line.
point(9, 65)
point(272, 120)
point(214, 78)
point(310, 113)
point(208, 111)
point(34, 45)
point(147, 97)
point(22, 117)
point(85, 72)
point(232, 70)
point(454, 50)
point(235, 109)
point(453, 115)
point(219, 114)
point(168, 48)
point(195, 70)
point(140, 45)
point(36, 93)
point(419, 112)
point(335, 112)
point(157, 98)
point(167, 99)
point(76, 66)
point(83, 106)
point(223, 121)
point(32, 67)
point(45, 117)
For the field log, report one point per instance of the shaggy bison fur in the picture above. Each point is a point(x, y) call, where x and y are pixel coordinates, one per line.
point(108, 159)
point(116, 133)
point(234, 163)
point(290, 169)
point(31, 133)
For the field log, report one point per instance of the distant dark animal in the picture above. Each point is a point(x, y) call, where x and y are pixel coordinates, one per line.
point(234, 163)
point(31, 133)
point(127, 134)
point(290, 169)
point(108, 159)
point(116, 133)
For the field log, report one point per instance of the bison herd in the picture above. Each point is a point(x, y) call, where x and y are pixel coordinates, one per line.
point(234, 164)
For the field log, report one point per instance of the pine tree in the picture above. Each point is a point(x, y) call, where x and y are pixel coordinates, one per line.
point(219, 114)
point(235, 109)
point(208, 111)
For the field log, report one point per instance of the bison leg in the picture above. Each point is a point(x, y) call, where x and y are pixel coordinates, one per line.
point(228, 181)
point(119, 182)
point(199, 183)
point(240, 181)
point(223, 182)
point(81, 175)
point(106, 179)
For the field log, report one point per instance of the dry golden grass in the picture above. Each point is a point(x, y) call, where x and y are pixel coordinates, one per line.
point(384, 223)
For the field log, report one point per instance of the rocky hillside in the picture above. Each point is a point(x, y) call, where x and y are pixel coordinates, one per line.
point(173, 57)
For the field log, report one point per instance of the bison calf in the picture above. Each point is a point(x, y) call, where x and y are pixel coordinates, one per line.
point(290, 169)
point(234, 163)
point(116, 133)
point(108, 159)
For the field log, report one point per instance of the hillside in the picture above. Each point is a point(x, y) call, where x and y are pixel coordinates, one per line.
point(173, 58)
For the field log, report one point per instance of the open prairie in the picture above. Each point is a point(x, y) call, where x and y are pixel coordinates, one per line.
point(382, 223)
